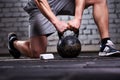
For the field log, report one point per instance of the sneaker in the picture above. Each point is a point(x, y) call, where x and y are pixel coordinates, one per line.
point(108, 50)
point(12, 50)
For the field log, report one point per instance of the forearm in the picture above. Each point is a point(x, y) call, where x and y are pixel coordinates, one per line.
point(79, 8)
point(46, 10)
point(76, 22)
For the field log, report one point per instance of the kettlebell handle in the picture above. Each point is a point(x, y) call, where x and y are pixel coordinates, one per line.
point(61, 35)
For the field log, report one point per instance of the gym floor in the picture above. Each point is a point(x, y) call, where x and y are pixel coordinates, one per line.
point(87, 66)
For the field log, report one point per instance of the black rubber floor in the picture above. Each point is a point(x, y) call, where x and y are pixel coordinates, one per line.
point(85, 67)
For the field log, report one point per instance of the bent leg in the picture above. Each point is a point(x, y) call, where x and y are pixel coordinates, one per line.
point(39, 29)
point(22, 46)
point(33, 47)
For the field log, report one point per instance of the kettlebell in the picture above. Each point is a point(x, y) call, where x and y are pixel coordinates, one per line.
point(68, 45)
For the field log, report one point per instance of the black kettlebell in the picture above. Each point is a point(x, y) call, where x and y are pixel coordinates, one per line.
point(69, 46)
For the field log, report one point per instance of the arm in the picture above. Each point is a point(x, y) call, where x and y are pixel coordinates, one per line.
point(47, 12)
point(79, 8)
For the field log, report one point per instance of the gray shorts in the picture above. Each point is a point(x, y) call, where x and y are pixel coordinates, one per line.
point(39, 24)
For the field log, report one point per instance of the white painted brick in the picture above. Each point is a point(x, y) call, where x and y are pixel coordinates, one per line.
point(118, 40)
point(14, 9)
point(2, 25)
point(85, 11)
point(22, 19)
point(112, 30)
point(17, 4)
point(8, 14)
point(111, 1)
point(86, 32)
point(111, 21)
point(87, 17)
point(118, 30)
point(94, 36)
point(83, 26)
point(52, 43)
point(84, 22)
point(8, 4)
point(91, 21)
point(1, 5)
point(114, 16)
point(8, 20)
point(95, 41)
point(16, 14)
point(8, 25)
point(118, 6)
point(117, 20)
point(83, 37)
point(114, 35)
point(111, 10)
point(91, 27)
point(95, 31)
point(5, 10)
point(111, 6)
point(85, 42)
point(64, 18)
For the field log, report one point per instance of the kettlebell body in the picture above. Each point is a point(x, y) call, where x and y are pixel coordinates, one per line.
point(69, 46)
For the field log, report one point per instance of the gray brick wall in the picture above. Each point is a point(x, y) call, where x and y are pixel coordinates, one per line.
point(14, 19)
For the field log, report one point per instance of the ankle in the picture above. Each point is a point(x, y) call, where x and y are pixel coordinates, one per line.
point(104, 40)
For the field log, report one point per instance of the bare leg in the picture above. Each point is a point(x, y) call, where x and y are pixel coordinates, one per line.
point(23, 47)
point(33, 47)
point(101, 18)
point(100, 13)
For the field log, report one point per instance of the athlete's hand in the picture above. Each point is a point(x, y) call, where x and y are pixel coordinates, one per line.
point(61, 26)
point(74, 24)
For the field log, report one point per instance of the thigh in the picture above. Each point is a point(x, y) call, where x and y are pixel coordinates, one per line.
point(40, 25)
point(67, 7)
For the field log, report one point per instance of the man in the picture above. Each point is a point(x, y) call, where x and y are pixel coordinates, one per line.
point(43, 22)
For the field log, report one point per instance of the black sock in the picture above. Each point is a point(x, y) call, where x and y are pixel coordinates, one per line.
point(104, 41)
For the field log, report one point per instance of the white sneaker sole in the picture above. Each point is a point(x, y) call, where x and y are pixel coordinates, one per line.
point(104, 54)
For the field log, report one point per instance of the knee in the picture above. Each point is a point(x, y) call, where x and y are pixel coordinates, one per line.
point(93, 2)
point(36, 53)
point(102, 1)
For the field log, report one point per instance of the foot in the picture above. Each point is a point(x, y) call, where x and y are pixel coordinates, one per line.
point(13, 51)
point(108, 50)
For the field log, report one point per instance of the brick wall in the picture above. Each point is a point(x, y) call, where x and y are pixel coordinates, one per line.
point(14, 19)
